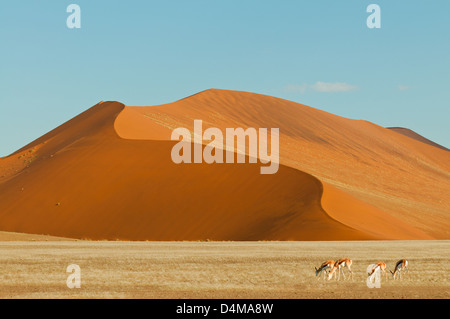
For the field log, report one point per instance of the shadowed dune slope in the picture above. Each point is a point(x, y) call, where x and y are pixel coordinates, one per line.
point(96, 119)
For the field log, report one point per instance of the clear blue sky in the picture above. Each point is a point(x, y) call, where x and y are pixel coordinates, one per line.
point(319, 53)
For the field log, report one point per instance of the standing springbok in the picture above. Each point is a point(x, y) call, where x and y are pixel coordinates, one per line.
point(400, 266)
point(339, 265)
point(325, 265)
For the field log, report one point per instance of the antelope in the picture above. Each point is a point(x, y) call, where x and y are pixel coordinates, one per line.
point(400, 266)
point(381, 266)
point(325, 265)
point(339, 265)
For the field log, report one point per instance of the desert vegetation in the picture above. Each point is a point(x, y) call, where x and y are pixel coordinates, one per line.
point(218, 269)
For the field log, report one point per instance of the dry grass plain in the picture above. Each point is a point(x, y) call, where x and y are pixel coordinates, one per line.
point(217, 269)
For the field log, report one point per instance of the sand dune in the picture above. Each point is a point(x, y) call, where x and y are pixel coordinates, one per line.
point(418, 137)
point(406, 179)
point(99, 186)
point(107, 174)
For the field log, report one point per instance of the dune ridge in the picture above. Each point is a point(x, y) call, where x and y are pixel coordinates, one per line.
point(109, 175)
point(416, 136)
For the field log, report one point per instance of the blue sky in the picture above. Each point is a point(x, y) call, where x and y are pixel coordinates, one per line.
point(319, 53)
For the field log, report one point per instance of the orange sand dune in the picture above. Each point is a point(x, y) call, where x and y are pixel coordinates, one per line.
point(107, 174)
point(402, 177)
point(100, 186)
point(418, 137)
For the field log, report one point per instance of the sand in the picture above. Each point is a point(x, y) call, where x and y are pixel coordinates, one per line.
point(218, 270)
point(418, 137)
point(14, 237)
point(107, 174)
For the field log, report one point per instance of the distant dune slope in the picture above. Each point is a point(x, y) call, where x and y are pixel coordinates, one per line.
point(107, 174)
point(418, 137)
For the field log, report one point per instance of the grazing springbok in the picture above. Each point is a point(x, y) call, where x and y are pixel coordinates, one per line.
point(379, 266)
point(329, 264)
point(400, 266)
point(339, 265)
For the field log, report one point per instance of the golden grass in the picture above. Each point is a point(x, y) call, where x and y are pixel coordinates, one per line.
point(217, 269)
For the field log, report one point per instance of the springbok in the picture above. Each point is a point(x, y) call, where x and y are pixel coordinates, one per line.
point(339, 265)
point(325, 265)
point(379, 266)
point(400, 266)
